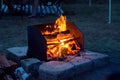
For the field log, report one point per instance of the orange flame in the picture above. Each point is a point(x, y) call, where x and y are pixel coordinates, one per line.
point(58, 45)
point(60, 23)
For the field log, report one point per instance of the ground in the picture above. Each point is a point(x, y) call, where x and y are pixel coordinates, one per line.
point(101, 74)
point(99, 36)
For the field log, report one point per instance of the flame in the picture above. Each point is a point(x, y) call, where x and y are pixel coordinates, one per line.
point(60, 23)
point(59, 44)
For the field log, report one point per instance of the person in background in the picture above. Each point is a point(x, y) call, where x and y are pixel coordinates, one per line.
point(34, 8)
point(35, 4)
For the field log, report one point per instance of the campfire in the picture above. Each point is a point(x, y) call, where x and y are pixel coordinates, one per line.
point(58, 39)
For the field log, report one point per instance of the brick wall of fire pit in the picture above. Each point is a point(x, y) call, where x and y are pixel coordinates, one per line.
point(59, 70)
point(68, 69)
point(56, 52)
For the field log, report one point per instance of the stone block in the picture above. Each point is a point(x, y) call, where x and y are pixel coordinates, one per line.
point(17, 53)
point(73, 65)
point(56, 70)
point(31, 64)
point(98, 59)
point(81, 64)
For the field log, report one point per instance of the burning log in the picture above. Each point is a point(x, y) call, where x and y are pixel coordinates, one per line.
point(63, 48)
point(73, 47)
point(56, 33)
point(64, 41)
point(56, 45)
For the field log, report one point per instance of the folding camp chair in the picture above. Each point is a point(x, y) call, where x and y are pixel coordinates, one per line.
point(17, 5)
point(51, 5)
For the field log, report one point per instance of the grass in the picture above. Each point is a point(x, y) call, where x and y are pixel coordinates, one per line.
point(92, 21)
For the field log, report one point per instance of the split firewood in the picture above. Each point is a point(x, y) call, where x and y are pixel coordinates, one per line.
point(7, 65)
point(2, 73)
point(3, 61)
point(7, 77)
point(56, 33)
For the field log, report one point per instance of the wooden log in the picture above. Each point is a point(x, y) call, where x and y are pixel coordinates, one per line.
point(12, 67)
point(8, 77)
point(7, 65)
point(3, 61)
point(56, 33)
point(2, 73)
point(64, 41)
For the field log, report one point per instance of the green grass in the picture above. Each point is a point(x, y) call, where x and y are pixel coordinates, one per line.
point(92, 21)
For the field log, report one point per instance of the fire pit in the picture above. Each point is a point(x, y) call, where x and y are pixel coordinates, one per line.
point(54, 41)
point(57, 51)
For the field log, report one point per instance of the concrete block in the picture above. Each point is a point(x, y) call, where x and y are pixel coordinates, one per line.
point(81, 64)
point(17, 53)
point(73, 65)
point(31, 64)
point(98, 59)
point(56, 70)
